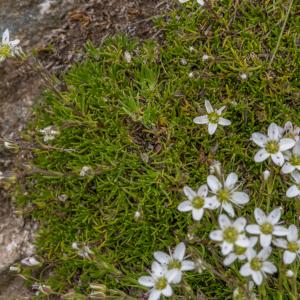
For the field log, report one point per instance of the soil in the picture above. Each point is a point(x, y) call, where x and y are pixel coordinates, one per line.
point(66, 26)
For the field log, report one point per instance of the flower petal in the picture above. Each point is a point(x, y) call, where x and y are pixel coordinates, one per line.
point(286, 144)
point(201, 120)
point(157, 269)
point(231, 180)
point(273, 132)
point(280, 230)
point(212, 127)
point(265, 240)
point(274, 216)
point(190, 193)
point(162, 257)
point(240, 223)
point(296, 149)
point(278, 158)
point(268, 267)
point(245, 269)
point(296, 176)
point(292, 234)
point(260, 216)
point(208, 106)
point(253, 229)
point(211, 202)
point(220, 110)
point(259, 139)
point(197, 214)
point(179, 251)
point(228, 208)
point(257, 277)
point(177, 277)
point(226, 248)
point(185, 206)
point(261, 155)
point(147, 281)
point(287, 168)
point(293, 191)
point(229, 259)
point(213, 183)
point(154, 295)
point(224, 221)
point(202, 191)
point(281, 243)
point(242, 241)
point(216, 235)
point(224, 122)
point(289, 257)
point(5, 37)
point(240, 198)
point(167, 291)
point(265, 253)
point(187, 265)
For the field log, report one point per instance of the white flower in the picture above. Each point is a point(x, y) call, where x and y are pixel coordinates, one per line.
point(291, 245)
point(205, 57)
point(30, 261)
point(272, 145)
point(82, 250)
point(85, 171)
point(226, 192)
point(213, 118)
point(137, 215)
point(197, 202)
point(49, 133)
point(175, 261)
point(200, 2)
point(291, 131)
point(127, 57)
point(293, 160)
point(240, 253)
point(266, 226)
point(159, 281)
point(7, 47)
point(231, 234)
point(294, 190)
point(258, 265)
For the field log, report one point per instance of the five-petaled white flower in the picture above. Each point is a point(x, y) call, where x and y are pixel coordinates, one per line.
point(175, 261)
point(258, 265)
point(291, 245)
point(240, 253)
point(266, 226)
point(197, 202)
point(160, 281)
point(293, 160)
point(7, 47)
point(213, 118)
point(200, 2)
point(226, 192)
point(231, 234)
point(272, 145)
point(294, 190)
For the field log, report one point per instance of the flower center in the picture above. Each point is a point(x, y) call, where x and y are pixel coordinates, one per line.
point(239, 250)
point(272, 147)
point(223, 195)
point(266, 228)
point(198, 202)
point(230, 235)
point(256, 264)
point(161, 283)
point(295, 160)
point(213, 117)
point(293, 246)
point(4, 50)
point(174, 264)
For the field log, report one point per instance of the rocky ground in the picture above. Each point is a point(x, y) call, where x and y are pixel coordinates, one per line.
point(66, 26)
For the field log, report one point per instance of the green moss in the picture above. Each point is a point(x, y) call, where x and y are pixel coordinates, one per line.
point(132, 124)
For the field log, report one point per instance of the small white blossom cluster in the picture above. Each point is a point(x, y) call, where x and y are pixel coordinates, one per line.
point(82, 250)
point(282, 145)
point(166, 271)
point(9, 48)
point(49, 133)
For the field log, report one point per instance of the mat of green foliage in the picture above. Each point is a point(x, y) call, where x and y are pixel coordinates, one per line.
point(132, 123)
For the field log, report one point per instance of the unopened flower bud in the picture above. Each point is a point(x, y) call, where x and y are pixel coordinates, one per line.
point(266, 175)
point(289, 273)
